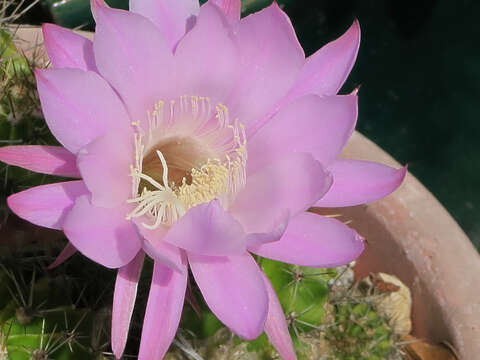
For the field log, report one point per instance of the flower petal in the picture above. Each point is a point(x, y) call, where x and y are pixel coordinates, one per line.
point(214, 70)
point(158, 249)
point(276, 325)
point(315, 241)
point(47, 205)
point(67, 49)
point(70, 101)
point(172, 17)
point(231, 8)
point(325, 71)
point(105, 168)
point(271, 59)
point(53, 160)
point(164, 309)
point(275, 231)
point(358, 182)
point(124, 301)
point(134, 57)
point(291, 184)
point(317, 125)
point(102, 234)
point(233, 289)
point(207, 229)
point(67, 252)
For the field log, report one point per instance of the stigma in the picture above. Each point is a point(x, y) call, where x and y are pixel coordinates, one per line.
point(190, 154)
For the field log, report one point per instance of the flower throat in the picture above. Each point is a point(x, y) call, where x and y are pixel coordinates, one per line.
point(188, 156)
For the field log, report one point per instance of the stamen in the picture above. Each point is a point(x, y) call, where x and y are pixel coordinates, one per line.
point(165, 168)
point(215, 179)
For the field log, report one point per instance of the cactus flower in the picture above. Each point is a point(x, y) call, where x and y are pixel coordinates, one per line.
point(197, 138)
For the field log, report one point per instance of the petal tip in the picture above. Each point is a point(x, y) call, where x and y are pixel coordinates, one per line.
point(96, 6)
point(252, 335)
point(39, 74)
point(42, 76)
point(353, 33)
point(252, 332)
point(11, 202)
point(276, 10)
point(356, 90)
point(401, 175)
point(276, 7)
point(47, 27)
point(117, 349)
point(98, 3)
point(356, 26)
point(360, 242)
point(5, 152)
point(16, 203)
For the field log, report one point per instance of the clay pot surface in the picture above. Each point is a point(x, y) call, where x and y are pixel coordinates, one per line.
point(410, 235)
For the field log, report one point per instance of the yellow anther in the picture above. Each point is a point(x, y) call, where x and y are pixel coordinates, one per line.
point(214, 179)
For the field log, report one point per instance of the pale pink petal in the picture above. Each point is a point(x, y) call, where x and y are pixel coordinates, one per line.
point(134, 57)
point(274, 233)
point(101, 234)
point(78, 106)
point(67, 49)
point(67, 252)
point(325, 71)
point(207, 229)
point(292, 184)
point(271, 59)
point(231, 8)
point(158, 249)
point(207, 57)
point(315, 241)
point(173, 17)
point(53, 160)
point(234, 290)
point(317, 125)
point(105, 168)
point(164, 309)
point(358, 182)
point(276, 325)
point(124, 301)
point(47, 205)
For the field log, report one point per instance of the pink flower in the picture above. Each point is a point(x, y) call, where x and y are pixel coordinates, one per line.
point(198, 138)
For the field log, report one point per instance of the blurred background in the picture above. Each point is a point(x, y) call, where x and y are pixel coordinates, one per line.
point(419, 76)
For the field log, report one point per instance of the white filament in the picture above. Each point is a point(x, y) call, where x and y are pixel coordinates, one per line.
point(216, 178)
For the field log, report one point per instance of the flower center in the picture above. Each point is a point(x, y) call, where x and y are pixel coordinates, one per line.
point(190, 155)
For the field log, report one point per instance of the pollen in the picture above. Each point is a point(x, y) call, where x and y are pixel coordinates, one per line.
point(189, 155)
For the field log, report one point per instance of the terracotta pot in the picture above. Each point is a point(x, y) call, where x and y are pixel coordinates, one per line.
point(412, 236)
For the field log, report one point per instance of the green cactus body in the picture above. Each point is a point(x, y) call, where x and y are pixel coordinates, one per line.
point(359, 333)
point(21, 121)
point(302, 292)
point(60, 333)
point(351, 329)
point(38, 323)
point(9, 52)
